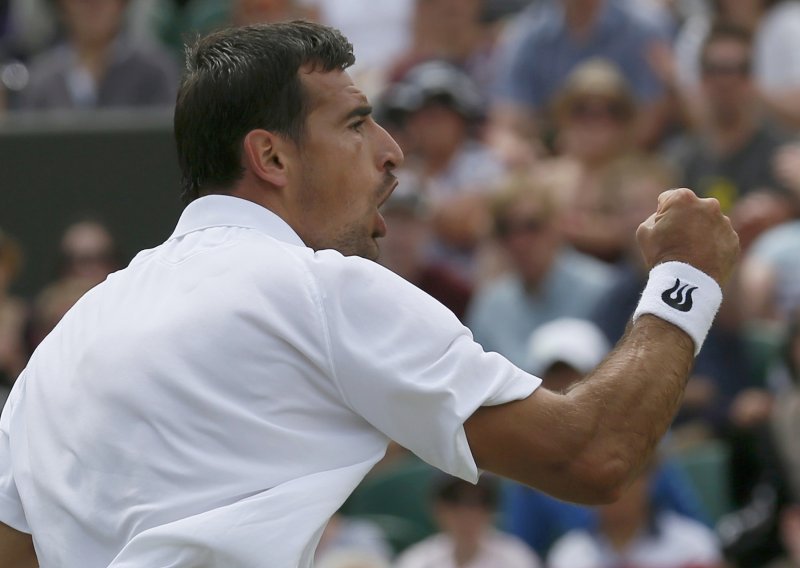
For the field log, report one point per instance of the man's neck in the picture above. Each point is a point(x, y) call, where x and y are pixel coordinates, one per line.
point(582, 17)
point(732, 133)
point(621, 535)
point(435, 163)
point(93, 56)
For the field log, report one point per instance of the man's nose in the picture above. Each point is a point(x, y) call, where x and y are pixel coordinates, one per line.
point(390, 156)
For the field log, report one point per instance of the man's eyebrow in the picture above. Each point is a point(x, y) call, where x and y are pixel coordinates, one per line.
point(359, 111)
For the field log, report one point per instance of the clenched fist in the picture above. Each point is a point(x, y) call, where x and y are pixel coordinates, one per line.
point(689, 229)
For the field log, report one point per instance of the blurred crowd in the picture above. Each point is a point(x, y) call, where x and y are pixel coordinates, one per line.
point(538, 135)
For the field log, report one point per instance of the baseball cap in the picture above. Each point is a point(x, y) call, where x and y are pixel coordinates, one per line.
point(576, 342)
point(435, 80)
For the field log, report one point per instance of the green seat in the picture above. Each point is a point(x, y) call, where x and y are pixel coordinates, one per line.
point(707, 466)
point(398, 500)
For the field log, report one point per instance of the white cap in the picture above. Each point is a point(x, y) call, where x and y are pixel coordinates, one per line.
point(576, 342)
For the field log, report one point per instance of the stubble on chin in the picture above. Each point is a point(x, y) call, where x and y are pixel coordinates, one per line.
point(353, 242)
point(349, 241)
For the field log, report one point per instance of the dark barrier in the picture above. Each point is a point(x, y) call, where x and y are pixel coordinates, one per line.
point(119, 167)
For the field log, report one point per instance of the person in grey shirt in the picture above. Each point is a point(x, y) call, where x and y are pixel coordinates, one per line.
point(99, 65)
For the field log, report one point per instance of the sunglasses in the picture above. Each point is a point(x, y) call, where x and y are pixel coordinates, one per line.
point(529, 226)
point(719, 68)
point(582, 110)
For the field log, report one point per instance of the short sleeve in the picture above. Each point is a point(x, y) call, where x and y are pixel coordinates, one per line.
point(407, 365)
point(11, 512)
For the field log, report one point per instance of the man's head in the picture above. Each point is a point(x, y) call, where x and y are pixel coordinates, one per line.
point(243, 79)
point(438, 105)
point(267, 113)
point(725, 67)
point(595, 113)
point(93, 23)
point(525, 215)
point(87, 251)
point(465, 511)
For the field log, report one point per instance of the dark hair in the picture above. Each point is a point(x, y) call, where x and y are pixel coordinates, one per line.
point(455, 491)
point(240, 79)
point(723, 31)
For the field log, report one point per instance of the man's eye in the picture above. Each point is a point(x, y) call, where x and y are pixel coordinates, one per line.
point(357, 125)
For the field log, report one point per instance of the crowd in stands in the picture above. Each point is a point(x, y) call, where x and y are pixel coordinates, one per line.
point(537, 136)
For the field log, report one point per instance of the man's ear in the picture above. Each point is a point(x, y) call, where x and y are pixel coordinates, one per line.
point(264, 154)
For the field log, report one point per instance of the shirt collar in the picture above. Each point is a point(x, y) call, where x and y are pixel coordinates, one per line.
point(229, 211)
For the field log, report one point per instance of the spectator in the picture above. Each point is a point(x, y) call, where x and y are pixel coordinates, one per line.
point(634, 532)
point(439, 111)
point(601, 216)
point(247, 12)
point(88, 252)
point(732, 153)
point(770, 454)
point(463, 32)
point(33, 25)
point(771, 274)
point(559, 38)
point(406, 252)
point(595, 117)
point(464, 513)
point(99, 65)
point(176, 22)
point(548, 279)
point(87, 255)
point(381, 32)
point(775, 26)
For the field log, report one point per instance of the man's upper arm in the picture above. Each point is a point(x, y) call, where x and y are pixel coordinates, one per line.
point(407, 365)
point(533, 441)
point(16, 549)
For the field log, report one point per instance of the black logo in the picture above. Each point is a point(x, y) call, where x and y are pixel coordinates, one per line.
point(679, 296)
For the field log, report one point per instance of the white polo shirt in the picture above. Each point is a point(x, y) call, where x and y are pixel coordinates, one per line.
point(216, 401)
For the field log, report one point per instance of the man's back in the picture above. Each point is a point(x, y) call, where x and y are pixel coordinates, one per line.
point(189, 406)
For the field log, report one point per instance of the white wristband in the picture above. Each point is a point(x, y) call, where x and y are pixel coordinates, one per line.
point(684, 296)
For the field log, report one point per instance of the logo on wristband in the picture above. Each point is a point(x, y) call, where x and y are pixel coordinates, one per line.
point(679, 296)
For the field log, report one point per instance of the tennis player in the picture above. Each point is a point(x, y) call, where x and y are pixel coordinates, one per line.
point(216, 401)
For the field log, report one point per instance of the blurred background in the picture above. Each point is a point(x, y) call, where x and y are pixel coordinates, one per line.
point(537, 135)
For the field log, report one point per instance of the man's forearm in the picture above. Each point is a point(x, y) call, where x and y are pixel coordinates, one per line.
point(584, 446)
point(629, 401)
